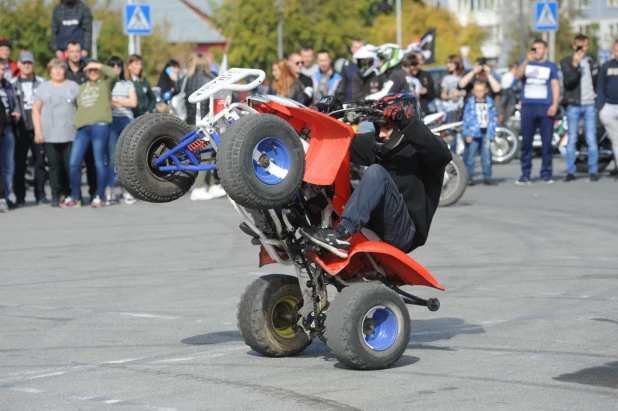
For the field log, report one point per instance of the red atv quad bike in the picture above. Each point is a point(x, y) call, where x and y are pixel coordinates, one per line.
point(285, 167)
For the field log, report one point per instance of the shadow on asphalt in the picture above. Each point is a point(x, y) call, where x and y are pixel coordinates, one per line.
point(440, 329)
point(601, 376)
point(220, 337)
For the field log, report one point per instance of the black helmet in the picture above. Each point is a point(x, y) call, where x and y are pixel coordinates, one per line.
point(392, 98)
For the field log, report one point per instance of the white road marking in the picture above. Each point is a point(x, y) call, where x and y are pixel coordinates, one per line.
point(144, 315)
point(122, 361)
point(172, 360)
point(47, 375)
point(27, 389)
point(112, 401)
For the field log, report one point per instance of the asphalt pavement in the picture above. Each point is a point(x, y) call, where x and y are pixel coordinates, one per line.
point(134, 307)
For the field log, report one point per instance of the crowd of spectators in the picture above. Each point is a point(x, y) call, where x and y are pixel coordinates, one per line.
point(71, 123)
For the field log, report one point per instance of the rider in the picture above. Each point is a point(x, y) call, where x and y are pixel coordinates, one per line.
point(392, 77)
point(399, 192)
point(365, 80)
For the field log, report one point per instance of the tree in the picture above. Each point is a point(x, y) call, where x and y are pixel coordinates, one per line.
point(27, 23)
point(418, 18)
point(252, 24)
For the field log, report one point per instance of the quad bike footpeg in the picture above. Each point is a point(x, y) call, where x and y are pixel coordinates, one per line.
point(433, 304)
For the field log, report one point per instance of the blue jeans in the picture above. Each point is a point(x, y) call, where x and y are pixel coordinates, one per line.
point(377, 204)
point(533, 116)
point(8, 161)
point(98, 135)
point(477, 144)
point(574, 115)
point(118, 124)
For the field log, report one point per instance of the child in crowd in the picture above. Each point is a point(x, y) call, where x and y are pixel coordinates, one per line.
point(480, 121)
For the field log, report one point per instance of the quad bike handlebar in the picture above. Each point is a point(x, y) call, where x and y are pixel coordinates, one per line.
point(227, 81)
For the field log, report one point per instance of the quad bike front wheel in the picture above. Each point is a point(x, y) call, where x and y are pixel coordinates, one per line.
point(368, 326)
point(145, 140)
point(455, 182)
point(261, 161)
point(267, 316)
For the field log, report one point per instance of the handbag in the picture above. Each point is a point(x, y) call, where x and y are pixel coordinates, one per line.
point(179, 103)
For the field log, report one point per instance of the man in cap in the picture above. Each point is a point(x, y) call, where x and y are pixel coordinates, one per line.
point(24, 87)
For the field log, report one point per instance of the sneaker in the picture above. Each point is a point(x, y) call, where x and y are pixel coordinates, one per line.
point(55, 202)
point(471, 183)
point(548, 180)
point(42, 200)
point(614, 173)
point(523, 181)
point(594, 177)
point(109, 197)
point(70, 203)
point(128, 198)
point(96, 202)
point(331, 239)
point(4, 208)
point(17, 204)
point(200, 194)
point(216, 191)
point(490, 182)
point(569, 178)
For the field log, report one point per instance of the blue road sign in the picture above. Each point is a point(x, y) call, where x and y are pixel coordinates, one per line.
point(546, 16)
point(137, 19)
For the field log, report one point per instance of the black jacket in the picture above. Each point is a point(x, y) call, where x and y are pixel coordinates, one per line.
point(71, 22)
point(194, 83)
point(607, 88)
point(416, 165)
point(78, 76)
point(391, 81)
point(427, 82)
point(571, 78)
point(308, 89)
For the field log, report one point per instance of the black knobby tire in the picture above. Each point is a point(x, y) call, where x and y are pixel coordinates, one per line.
point(260, 320)
point(145, 139)
point(511, 143)
point(120, 148)
point(460, 179)
point(346, 322)
point(236, 168)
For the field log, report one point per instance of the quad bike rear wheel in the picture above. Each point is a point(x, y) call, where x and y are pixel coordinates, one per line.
point(368, 326)
point(261, 161)
point(267, 316)
point(455, 182)
point(146, 139)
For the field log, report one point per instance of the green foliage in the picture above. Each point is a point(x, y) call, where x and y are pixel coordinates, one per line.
point(252, 24)
point(418, 18)
point(27, 23)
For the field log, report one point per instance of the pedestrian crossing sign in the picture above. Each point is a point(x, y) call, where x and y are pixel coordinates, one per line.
point(546, 16)
point(137, 19)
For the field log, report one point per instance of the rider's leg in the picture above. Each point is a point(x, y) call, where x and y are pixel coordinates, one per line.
point(376, 203)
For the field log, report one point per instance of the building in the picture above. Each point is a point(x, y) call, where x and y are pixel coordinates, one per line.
point(189, 21)
point(488, 14)
point(597, 18)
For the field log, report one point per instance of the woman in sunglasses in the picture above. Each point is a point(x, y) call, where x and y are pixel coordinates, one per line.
point(92, 121)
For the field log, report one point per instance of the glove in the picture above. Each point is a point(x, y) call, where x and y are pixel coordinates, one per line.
point(398, 114)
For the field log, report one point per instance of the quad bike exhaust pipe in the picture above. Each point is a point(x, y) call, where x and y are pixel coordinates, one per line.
point(433, 304)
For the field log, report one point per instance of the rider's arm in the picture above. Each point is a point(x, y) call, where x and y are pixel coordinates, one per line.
point(361, 150)
point(432, 149)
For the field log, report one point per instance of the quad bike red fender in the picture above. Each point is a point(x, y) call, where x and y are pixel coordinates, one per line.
point(329, 145)
point(397, 265)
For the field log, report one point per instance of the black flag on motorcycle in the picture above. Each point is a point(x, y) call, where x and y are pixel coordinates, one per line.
point(426, 45)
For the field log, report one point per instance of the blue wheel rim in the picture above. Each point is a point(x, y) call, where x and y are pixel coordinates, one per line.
point(380, 328)
point(271, 161)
